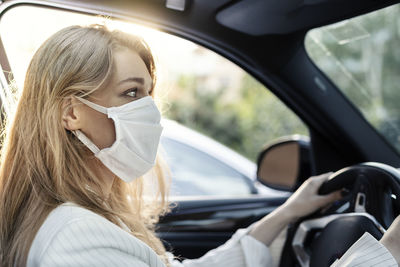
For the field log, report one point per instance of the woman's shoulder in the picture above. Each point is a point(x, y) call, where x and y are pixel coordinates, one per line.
point(71, 233)
point(61, 219)
point(65, 216)
point(69, 212)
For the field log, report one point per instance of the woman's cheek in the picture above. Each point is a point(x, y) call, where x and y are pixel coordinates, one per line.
point(106, 134)
point(100, 130)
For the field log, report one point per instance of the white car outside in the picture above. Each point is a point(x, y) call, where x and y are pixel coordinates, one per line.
point(202, 166)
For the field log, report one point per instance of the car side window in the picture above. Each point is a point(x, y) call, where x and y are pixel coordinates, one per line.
point(196, 88)
point(196, 173)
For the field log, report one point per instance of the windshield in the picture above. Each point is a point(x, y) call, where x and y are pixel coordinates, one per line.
point(362, 57)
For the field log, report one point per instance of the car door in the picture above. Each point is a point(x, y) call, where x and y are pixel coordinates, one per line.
point(196, 226)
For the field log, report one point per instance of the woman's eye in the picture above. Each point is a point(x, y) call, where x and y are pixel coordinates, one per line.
point(131, 92)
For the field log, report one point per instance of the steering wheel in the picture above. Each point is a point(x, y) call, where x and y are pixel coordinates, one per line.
point(371, 204)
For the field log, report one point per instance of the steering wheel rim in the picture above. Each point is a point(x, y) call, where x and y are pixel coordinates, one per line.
point(369, 217)
point(378, 174)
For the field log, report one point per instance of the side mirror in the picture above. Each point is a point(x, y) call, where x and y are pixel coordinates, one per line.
point(286, 163)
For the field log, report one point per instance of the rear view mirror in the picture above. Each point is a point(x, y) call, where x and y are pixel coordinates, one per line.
point(285, 163)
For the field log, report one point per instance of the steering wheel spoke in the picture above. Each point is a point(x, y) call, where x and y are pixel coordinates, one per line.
point(309, 227)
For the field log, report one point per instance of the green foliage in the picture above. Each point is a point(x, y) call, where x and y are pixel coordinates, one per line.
point(362, 57)
point(244, 122)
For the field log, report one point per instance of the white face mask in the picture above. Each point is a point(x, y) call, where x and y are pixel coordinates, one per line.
point(138, 131)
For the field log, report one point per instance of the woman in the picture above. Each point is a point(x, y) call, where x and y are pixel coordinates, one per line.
point(85, 129)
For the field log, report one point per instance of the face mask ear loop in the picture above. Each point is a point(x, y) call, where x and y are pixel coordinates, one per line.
point(86, 141)
point(94, 106)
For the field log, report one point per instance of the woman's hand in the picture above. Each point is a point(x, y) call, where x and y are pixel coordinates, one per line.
point(306, 199)
point(391, 239)
point(303, 202)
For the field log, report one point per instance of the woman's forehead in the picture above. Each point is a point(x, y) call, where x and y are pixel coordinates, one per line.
point(128, 66)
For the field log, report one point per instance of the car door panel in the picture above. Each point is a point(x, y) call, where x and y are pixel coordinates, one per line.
point(197, 226)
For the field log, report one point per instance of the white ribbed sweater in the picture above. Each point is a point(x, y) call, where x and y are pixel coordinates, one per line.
point(74, 236)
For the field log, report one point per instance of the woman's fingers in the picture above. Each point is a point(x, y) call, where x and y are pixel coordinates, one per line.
point(323, 200)
point(306, 199)
point(331, 197)
point(317, 181)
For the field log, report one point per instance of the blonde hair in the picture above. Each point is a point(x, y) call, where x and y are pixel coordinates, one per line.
point(43, 165)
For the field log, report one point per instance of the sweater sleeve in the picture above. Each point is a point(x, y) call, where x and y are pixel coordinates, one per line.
point(367, 251)
point(241, 250)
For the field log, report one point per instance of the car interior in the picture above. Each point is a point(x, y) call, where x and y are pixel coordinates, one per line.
point(267, 39)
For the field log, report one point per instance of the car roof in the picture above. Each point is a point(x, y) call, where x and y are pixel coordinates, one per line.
point(252, 17)
point(177, 132)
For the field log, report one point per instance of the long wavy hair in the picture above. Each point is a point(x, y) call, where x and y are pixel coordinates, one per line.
point(44, 165)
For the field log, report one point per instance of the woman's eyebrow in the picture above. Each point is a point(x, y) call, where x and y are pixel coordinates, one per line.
point(132, 79)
